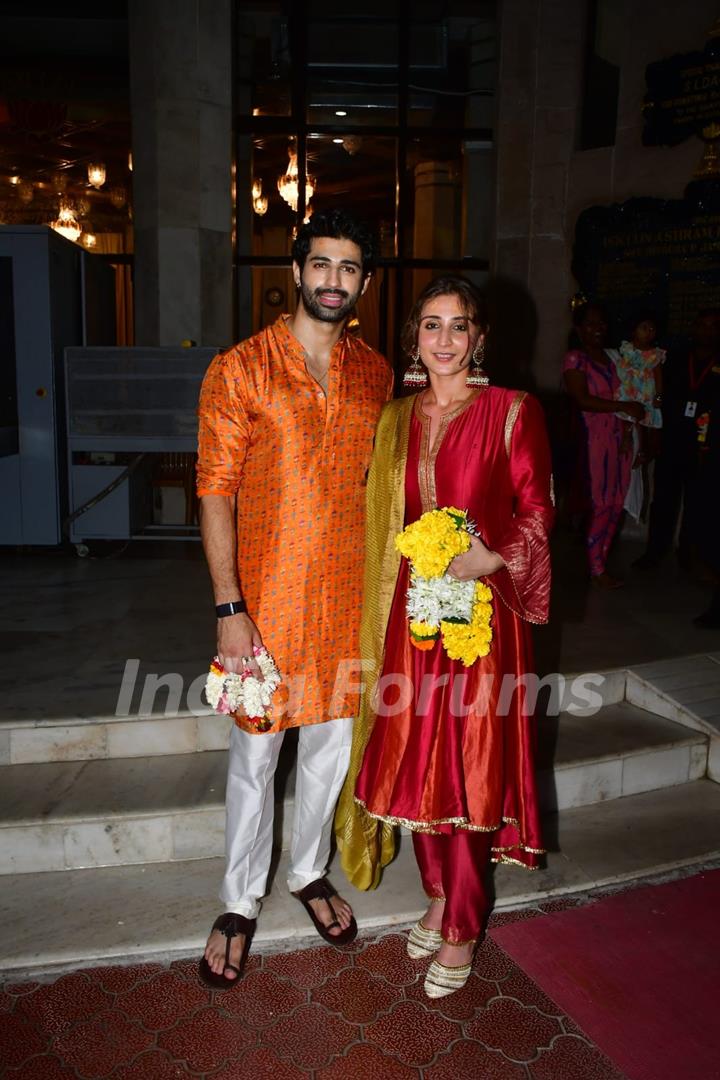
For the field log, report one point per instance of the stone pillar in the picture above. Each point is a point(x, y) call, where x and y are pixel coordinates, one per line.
point(437, 204)
point(542, 51)
point(181, 91)
point(437, 216)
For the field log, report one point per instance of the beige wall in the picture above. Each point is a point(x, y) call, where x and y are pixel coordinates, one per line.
point(543, 181)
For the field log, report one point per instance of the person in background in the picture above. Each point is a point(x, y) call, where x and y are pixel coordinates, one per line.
point(690, 378)
point(639, 363)
point(592, 381)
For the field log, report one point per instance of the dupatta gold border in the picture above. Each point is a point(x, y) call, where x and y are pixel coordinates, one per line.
point(364, 844)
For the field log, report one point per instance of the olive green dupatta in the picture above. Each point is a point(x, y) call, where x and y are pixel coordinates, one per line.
point(365, 844)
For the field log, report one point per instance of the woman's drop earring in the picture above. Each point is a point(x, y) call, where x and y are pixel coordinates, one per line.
point(416, 376)
point(476, 375)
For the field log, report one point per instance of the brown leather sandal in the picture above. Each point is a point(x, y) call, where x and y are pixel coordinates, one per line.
point(321, 889)
point(231, 925)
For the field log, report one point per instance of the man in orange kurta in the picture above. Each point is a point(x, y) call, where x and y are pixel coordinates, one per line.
point(287, 420)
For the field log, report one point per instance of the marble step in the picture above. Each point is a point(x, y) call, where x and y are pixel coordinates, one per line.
point(621, 750)
point(78, 814)
point(163, 911)
point(26, 740)
point(150, 722)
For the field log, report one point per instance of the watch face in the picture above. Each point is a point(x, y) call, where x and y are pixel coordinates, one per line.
point(274, 297)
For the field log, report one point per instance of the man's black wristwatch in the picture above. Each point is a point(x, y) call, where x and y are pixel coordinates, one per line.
point(235, 607)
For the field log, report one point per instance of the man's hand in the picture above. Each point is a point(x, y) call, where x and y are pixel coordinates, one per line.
point(477, 561)
point(236, 637)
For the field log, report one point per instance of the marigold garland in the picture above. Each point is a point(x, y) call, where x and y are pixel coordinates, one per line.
point(438, 605)
point(433, 541)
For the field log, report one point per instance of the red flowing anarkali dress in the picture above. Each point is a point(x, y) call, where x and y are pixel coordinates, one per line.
point(426, 765)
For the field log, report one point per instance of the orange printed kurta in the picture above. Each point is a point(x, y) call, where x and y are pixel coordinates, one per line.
point(297, 462)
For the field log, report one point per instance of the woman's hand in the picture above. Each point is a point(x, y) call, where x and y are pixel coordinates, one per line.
point(477, 561)
point(632, 408)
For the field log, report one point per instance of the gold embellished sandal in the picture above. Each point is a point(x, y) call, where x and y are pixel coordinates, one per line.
point(422, 942)
point(441, 981)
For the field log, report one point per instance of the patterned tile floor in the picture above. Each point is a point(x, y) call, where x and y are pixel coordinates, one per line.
point(316, 1014)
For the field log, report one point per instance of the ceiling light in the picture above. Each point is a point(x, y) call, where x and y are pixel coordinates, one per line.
point(340, 112)
point(67, 224)
point(338, 141)
point(288, 183)
point(97, 174)
point(259, 201)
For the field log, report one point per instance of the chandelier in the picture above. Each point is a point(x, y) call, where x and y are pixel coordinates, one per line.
point(97, 174)
point(67, 224)
point(288, 184)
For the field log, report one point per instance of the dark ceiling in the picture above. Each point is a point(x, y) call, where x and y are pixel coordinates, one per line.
point(64, 102)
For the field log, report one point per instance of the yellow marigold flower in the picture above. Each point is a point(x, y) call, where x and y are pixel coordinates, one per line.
point(468, 641)
point(482, 592)
point(465, 642)
point(432, 542)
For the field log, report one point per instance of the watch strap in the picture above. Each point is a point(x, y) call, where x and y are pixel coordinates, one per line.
point(234, 607)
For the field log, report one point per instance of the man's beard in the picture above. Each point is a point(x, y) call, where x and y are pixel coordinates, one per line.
point(314, 308)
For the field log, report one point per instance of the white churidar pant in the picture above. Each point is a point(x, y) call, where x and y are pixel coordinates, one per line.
point(323, 758)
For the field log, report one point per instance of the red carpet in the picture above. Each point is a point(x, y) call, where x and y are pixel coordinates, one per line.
point(639, 972)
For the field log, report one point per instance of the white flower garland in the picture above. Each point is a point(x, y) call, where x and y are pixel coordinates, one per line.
point(228, 692)
point(432, 600)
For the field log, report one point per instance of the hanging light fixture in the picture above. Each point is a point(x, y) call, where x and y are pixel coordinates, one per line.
point(97, 174)
point(82, 205)
point(89, 240)
point(259, 201)
point(25, 192)
point(118, 196)
point(288, 183)
point(130, 161)
point(67, 224)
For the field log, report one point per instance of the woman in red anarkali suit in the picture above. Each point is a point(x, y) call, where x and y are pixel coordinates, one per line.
point(453, 760)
